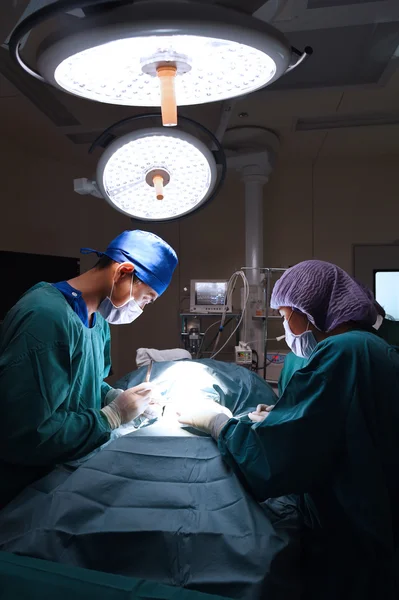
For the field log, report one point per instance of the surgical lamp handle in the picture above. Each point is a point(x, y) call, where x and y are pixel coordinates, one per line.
point(302, 56)
point(39, 16)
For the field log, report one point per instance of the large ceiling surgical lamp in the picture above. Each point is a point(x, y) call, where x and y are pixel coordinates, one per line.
point(156, 53)
point(156, 174)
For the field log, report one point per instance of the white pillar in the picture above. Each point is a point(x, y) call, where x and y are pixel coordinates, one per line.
point(252, 152)
point(254, 178)
point(254, 181)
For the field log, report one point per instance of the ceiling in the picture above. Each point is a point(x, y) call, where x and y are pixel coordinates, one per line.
point(342, 102)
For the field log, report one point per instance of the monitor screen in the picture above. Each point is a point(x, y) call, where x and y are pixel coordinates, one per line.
point(210, 293)
point(386, 284)
point(21, 271)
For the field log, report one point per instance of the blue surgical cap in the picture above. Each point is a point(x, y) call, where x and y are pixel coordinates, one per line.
point(153, 259)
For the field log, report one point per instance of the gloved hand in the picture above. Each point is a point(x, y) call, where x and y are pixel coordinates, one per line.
point(153, 411)
point(201, 415)
point(128, 405)
point(262, 411)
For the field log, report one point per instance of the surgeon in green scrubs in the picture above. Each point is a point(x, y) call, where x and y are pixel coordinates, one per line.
point(332, 438)
point(387, 329)
point(55, 354)
point(292, 364)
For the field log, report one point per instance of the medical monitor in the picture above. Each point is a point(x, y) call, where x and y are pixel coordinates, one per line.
point(386, 291)
point(209, 296)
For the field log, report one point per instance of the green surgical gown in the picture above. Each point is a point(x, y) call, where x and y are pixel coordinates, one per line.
point(389, 331)
point(333, 439)
point(52, 371)
point(292, 364)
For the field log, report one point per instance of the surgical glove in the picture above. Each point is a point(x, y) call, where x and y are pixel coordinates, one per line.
point(262, 411)
point(112, 394)
point(202, 416)
point(128, 405)
point(153, 411)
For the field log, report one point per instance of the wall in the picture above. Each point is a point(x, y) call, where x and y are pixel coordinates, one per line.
point(320, 212)
point(288, 215)
point(12, 12)
point(357, 203)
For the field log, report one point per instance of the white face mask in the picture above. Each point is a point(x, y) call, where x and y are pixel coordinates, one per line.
point(120, 315)
point(302, 345)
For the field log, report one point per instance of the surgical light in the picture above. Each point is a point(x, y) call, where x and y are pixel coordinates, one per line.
point(170, 70)
point(156, 174)
point(158, 53)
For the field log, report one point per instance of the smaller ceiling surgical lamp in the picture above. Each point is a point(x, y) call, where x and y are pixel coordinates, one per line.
point(156, 174)
point(156, 53)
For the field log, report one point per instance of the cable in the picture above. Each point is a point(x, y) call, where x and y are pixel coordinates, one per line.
point(273, 339)
point(203, 338)
point(229, 290)
point(255, 363)
point(231, 285)
point(308, 51)
point(184, 299)
point(216, 335)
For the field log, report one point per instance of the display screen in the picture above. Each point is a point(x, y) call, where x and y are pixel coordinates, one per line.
point(20, 271)
point(210, 293)
point(386, 284)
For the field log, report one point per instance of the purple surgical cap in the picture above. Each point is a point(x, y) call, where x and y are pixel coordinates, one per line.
point(326, 294)
point(366, 289)
point(378, 307)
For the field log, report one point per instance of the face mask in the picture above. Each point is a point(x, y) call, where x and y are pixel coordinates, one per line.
point(120, 315)
point(302, 345)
